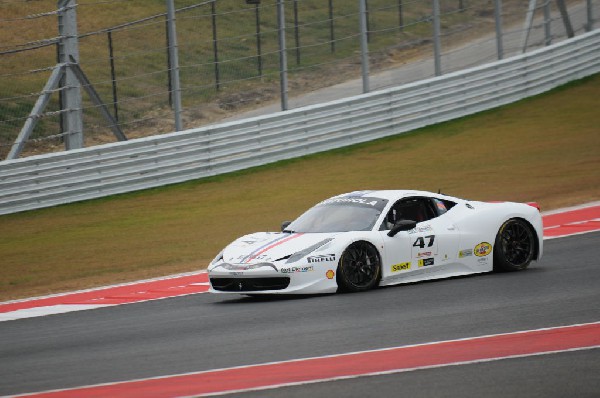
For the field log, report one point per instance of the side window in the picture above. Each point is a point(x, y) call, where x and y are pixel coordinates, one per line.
point(415, 209)
point(442, 205)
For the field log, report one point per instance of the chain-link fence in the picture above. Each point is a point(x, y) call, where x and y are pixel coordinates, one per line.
point(229, 55)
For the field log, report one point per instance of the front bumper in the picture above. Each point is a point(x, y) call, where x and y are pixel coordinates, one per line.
point(311, 279)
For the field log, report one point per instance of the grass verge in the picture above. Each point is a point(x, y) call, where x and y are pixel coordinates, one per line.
point(544, 149)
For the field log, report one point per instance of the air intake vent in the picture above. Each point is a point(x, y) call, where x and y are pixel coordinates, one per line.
point(249, 284)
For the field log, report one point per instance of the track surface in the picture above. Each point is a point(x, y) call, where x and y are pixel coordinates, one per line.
point(204, 332)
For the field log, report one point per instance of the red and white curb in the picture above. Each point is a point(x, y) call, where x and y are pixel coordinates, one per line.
point(135, 292)
point(572, 221)
point(557, 224)
point(349, 365)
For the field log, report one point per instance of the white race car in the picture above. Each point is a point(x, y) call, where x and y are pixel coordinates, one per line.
point(359, 240)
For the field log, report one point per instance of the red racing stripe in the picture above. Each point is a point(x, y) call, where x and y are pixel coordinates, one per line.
point(276, 243)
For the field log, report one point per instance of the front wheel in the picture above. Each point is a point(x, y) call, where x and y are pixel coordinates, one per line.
point(515, 246)
point(359, 268)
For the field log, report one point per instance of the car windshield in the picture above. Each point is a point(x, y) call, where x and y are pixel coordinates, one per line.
point(341, 214)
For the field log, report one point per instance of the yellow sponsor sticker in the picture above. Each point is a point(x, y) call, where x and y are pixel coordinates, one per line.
point(330, 274)
point(483, 249)
point(401, 267)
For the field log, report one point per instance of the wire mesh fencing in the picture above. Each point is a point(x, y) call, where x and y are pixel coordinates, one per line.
point(229, 55)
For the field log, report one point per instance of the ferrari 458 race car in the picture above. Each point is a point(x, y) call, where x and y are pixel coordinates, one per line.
point(359, 240)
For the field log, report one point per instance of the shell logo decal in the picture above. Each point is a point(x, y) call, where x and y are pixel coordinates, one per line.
point(483, 249)
point(330, 274)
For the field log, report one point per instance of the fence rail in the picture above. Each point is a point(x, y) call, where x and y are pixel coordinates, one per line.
point(48, 180)
point(231, 56)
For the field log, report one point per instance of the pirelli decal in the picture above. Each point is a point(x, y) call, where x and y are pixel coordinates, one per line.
point(321, 258)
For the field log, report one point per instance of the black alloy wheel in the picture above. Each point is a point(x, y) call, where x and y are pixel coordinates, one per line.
point(515, 246)
point(359, 268)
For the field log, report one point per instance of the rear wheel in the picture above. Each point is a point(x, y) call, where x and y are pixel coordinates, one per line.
point(359, 268)
point(515, 246)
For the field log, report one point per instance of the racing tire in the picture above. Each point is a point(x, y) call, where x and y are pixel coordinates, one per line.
point(515, 246)
point(359, 268)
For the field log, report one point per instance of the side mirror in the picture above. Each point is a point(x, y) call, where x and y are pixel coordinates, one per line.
point(284, 225)
point(402, 225)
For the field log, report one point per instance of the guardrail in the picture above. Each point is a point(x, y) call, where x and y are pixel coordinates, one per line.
point(47, 180)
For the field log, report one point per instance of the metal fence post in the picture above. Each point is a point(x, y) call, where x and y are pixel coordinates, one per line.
point(331, 26)
point(213, 12)
point(564, 13)
point(367, 20)
point(169, 67)
point(364, 46)
point(436, 37)
point(589, 26)
point(258, 46)
point(547, 23)
point(173, 56)
point(400, 16)
point(296, 32)
point(113, 76)
point(528, 23)
point(69, 50)
point(498, 17)
point(282, 55)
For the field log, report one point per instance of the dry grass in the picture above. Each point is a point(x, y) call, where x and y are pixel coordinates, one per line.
point(545, 149)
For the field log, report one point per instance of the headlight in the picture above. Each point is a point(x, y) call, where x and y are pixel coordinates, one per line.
point(215, 260)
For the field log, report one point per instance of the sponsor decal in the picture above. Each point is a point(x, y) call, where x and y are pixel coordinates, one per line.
point(330, 274)
point(262, 257)
point(465, 253)
point(424, 254)
point(426, 262)
point(482, 260)
point(250, 241)
point(321, 258)
point(483, 249)
point(236, 273)
point(424, 228)
point(292, 270)
point(401, 267)
point(350, 200)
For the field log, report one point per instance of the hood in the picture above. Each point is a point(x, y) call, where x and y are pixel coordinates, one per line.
point(270, 246)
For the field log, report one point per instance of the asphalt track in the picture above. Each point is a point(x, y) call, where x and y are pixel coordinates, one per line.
point(205, 332)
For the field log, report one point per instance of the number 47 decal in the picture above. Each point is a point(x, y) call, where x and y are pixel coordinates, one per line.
point(420, 242)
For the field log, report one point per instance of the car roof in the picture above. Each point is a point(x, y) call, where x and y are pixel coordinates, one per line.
point(394, 194)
